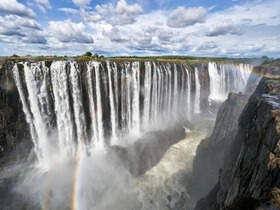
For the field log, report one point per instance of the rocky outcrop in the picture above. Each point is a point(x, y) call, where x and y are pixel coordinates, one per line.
point(13, 127)
point(265, 70)
point(205, 84)
point(210, 153)
point(251, 173)
point(147, 151)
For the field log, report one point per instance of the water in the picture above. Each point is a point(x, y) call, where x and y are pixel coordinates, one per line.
point(197, 93)
point(225, 78)
point(76, 112)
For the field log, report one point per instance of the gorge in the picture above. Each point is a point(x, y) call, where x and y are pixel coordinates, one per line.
point(112, 134)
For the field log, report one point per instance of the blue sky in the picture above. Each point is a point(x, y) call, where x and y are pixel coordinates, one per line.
point(232, 28)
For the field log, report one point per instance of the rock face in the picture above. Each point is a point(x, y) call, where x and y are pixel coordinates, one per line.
point(13, 127)
point(251, 173)
point(205, 84)
point(210, 153)
point(270, 71)
point(147, 151)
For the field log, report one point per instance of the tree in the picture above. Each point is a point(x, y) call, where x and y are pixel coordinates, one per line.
point(89, 54)
point(265, 57)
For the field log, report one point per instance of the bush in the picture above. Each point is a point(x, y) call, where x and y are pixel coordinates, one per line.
point(89, 54)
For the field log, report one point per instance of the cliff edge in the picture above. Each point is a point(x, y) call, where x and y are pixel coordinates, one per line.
point(250, 177)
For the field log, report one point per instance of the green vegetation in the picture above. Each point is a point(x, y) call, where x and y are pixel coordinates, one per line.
point(272, 62)
point(193, 61)
point(89, 54)
point(182, 59)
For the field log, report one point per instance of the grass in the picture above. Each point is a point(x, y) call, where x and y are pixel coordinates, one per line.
point(173, 59)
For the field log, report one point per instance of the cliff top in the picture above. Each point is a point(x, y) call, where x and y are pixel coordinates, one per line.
point(173, 59)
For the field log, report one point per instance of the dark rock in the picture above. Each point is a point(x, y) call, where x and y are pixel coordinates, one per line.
point(210, 152)
point(204, 84)
point(257, 73)
point(251, 171)
point(13, 127)
point(147, 151)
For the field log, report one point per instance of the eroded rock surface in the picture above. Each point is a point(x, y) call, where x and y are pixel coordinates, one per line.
point(210, 153)
point(250, 178)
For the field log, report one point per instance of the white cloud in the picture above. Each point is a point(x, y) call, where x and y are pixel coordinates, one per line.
point(22, 29)
point(69, 10)
point(223, 28)
point(183, 17)
point(251, 13)
point(81, 3)
point(123, 7)
point(124, 29)
point(14, 7)
point(43, 5)
point(67, 31)
point(15, 22)
point(121, 14)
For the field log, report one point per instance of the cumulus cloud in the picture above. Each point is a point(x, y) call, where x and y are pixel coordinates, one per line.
point(183, 17)
point(67, 31)
point(121, 14)
point(21, 28)
point(35, 39)
point(16, 23)
point(207, 46)
point(223, 28)
point(14, 7)
point(116, 36)
point(43, 5)
point(81, 3)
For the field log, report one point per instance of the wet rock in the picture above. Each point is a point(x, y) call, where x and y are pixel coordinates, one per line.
point(147, 151)
point(251, 170)
point(210, 153)
point(13, 127)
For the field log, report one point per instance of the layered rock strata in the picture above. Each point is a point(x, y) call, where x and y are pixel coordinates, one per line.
point(250, 177)
point(211, 151)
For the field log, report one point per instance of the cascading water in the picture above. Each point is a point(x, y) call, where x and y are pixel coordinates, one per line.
point(143, 100)
point(157, 94)
point(78, 111)
point(225, 78)
point(112, 104)
point(197, 93)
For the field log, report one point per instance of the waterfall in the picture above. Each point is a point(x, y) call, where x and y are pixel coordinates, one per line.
point(94, 127)
point(175, 93)
point(147, 92)
point(26, 110)
point(188, 95)
point(79, 115)
point(99, 118)
point(135, 97)
point(197, 93)
point(63, 111)
point(154, 94)
point(72, 107)
point(169, 89)
point(215, 93)
point(225, 78)
point(112, 104)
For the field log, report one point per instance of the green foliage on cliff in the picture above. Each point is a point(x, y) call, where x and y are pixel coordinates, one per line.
point(89, 54)
point(272, 62)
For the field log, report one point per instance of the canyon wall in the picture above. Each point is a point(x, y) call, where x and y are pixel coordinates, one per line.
point(211, 151)
point(251, 170)
point(14, 132)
